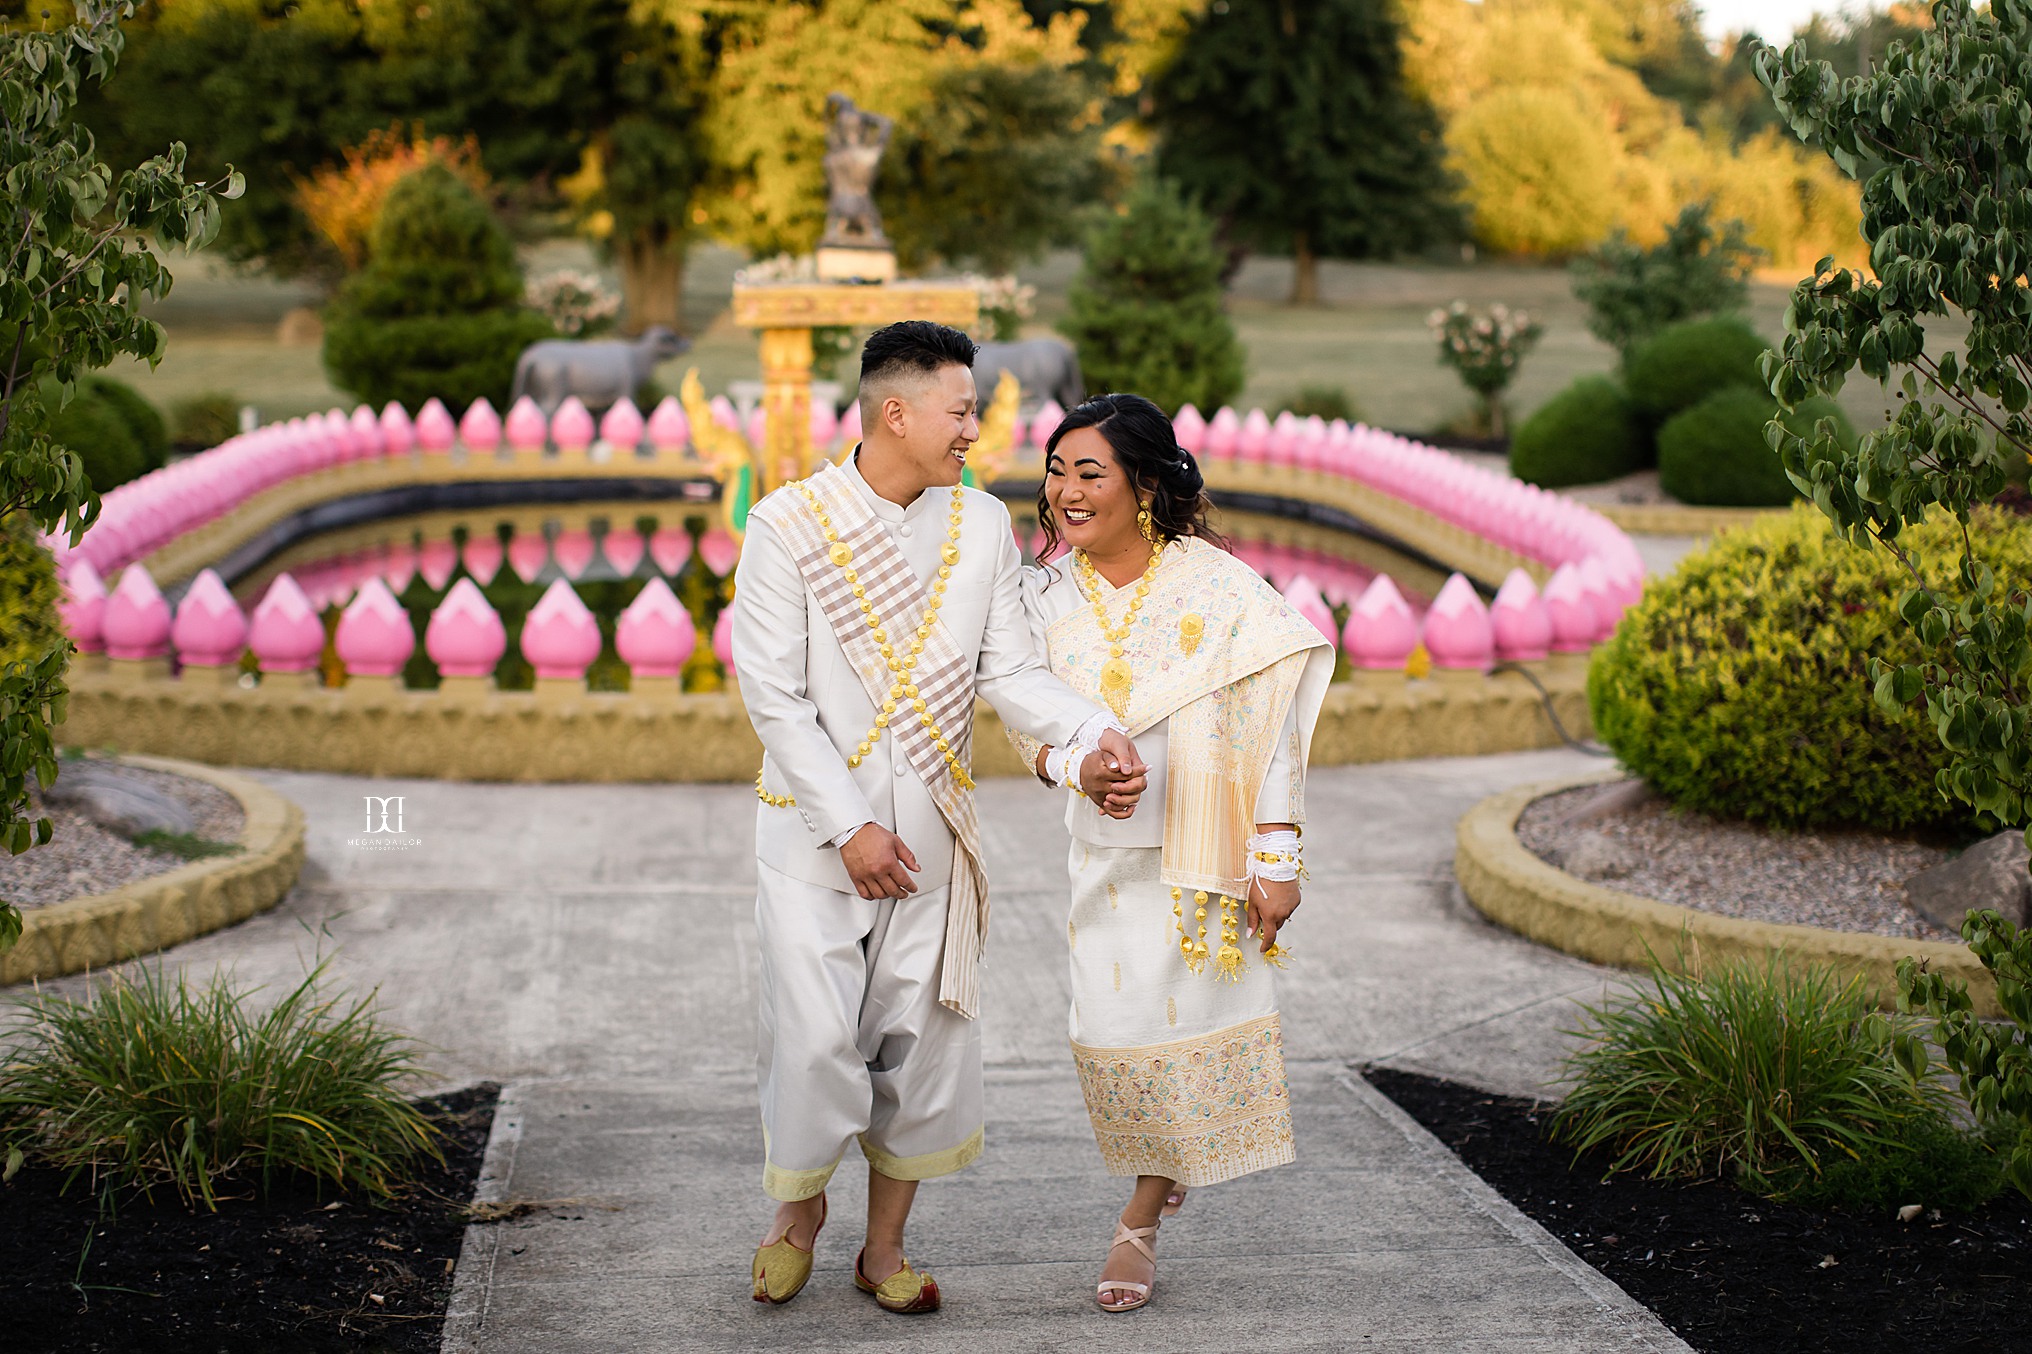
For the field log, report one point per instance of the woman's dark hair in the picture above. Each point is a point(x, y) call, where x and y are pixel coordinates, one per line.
point(1145, 447)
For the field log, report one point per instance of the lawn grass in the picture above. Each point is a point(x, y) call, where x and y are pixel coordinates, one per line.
point(1367, 337)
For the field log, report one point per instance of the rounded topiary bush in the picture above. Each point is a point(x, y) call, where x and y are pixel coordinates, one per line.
point(91, 426)
point(143, 420)
point(438, 309)
point(28, 594)
point(1739, 685)
point(1585, 434)
point(1715, 453)
point(1683, 365)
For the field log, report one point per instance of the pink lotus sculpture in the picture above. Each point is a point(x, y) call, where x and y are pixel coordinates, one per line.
point(1305, 596)
point(621, 427)
point(571, 427)
point(435, 431)
point(368, 441)
point(526, 429)
point(825, 424)
point(670, 547)
point(465, 637)
point(850, 424)
point(436, 560)
point(1189, 430)
point(573, 549)
point(1253, 442)
point(655, 635)
point(561, 638)
point(757, 428)
point(723, 639)
point(481, 555)
point(1381, 629)
point(1282, 447)
point(287, 634)
point(1574, 623)
point(136, 619)
point(719, 551)
point(480, 429)
point(1457, 631)
point(82, 605)
point(1518, 618)
point(669, 430)
point(1223, 429)
point(374, 637)
point(1044, 423)
point(622, 546)
point(528, 552)
point(210, 630)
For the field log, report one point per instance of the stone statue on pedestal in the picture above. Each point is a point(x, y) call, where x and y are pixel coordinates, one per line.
point(853, 247)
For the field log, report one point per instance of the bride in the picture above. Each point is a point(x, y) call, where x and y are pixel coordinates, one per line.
point(1176, 912)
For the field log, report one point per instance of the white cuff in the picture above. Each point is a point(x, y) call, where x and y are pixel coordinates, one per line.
point(837, 842)
point(1275, 856)
point(1063, 765)
point(1097, 723)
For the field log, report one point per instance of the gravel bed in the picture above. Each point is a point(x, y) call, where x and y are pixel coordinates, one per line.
point(84, 858)
point(1840, 880)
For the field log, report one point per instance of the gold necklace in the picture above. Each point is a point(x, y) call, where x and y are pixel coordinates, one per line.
point(903, 686)
point(1117, 680)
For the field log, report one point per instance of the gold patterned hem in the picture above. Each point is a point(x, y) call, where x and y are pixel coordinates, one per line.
point(926, 1165)
point(1198, 1111)
point(790, 1186)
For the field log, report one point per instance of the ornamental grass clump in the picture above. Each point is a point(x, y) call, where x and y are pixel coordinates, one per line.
point(1762, 1075)
point(149, 1081)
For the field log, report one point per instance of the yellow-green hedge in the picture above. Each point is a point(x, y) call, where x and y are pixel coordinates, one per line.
point(1738, 686)
point(28, 592)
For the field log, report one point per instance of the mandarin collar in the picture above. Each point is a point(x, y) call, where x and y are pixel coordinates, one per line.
point(884, 509)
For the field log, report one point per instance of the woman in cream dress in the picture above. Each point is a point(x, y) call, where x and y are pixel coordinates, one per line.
point(1176, 911)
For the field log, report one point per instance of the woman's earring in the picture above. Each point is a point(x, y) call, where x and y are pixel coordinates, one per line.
point(1143, 524)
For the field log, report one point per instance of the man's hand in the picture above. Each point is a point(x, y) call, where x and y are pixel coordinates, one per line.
point(879, 863)
point(1117, 797)
point(1271, 903)
point(1110, 786)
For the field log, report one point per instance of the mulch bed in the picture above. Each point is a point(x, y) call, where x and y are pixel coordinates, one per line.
point(1732, 1273)
point(298, 1271)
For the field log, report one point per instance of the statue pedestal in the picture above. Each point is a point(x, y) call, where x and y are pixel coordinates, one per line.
point(786, 313)
point(855, 263)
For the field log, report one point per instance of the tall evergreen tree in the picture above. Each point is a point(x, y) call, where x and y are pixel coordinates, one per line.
point(1290, 121)
point(1146, 307)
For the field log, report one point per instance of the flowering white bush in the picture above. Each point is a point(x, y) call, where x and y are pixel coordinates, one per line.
point(578, 304)
point(1005, 304)
point(1485, 348)
point(781, 268)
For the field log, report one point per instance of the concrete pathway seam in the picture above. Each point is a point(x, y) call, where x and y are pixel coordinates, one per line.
point(1619, 1310)
point(473, 1276)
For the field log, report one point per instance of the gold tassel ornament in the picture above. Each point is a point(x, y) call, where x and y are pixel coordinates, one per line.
point(1228, 962)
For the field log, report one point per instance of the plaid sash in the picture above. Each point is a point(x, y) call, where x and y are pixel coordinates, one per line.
point(945, 683)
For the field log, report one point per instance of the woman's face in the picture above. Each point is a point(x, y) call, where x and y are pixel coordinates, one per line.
point(1091, 496)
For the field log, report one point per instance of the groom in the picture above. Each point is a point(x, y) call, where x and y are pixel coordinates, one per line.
point(877, 599)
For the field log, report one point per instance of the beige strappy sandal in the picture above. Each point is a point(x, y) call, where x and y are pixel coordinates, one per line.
point(1138, 1237)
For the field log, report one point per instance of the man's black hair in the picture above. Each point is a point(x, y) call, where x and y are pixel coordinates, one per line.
point(913, 346)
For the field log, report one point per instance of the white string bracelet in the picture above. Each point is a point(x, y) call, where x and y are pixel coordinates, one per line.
point(1063, 766)
point(1276, 857)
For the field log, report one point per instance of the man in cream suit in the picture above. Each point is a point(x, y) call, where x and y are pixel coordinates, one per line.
point(875, 600)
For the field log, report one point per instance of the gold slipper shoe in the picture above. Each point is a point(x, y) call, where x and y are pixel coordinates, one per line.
point(781, 1268)
point(906, 1291)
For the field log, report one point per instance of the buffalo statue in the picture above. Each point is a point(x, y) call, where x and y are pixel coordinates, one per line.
point(1046, 368)
point(601, 372)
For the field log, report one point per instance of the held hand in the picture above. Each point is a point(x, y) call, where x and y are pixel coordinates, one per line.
point(1271, 904)
point(1122, 752)
point(1110, 786)
point(879, 863)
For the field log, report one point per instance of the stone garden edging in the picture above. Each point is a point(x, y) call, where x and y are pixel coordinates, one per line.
point(1681, 519)
point(1515, 889)
point(467, 730)
point(174, 906)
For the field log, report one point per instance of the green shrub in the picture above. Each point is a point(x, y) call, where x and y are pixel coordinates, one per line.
point(1685, 364)
point(1738, 686)
point(151, 434)
point(1585, 434)
point(1146, 310)
point(1327, 402)
point(438, 309)
point(28, 593)
point(93, 428)
point(1762, 1075)
point(1632, 292)
point(203, 421)
point(1714, 454)
point(1927, 1160)
point(150, 1081)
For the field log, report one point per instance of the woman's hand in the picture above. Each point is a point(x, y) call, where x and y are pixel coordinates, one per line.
point(1112, 786)
point(1271, 903)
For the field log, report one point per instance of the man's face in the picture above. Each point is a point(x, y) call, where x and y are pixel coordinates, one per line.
point(936, 424)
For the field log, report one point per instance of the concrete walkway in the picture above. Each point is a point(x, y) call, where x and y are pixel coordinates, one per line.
point(591, 947)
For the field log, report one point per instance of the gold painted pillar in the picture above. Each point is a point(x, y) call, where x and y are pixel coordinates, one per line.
point(786, 403)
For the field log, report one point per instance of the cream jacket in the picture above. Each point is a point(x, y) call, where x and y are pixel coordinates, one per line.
point(811, 711)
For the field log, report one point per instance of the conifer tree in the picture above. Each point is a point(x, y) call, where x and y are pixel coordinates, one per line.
point(1146, 309)
point(1290, 122)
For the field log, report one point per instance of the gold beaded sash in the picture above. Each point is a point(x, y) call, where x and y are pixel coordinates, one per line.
point(943, 677)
